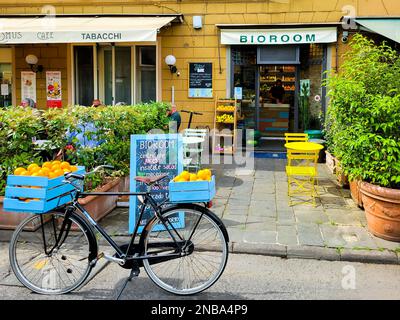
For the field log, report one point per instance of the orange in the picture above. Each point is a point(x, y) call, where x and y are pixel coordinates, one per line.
point(19, 170)
point(58, 172)
point(202, 175)
point(35, 174)
point(52, 175)
point(25, 173)
point(27, 200)
point(193, 177)
point(181, 180)
point(55, 167)
point(47, 164)
point(64, 165)
point(74, 168)
point(56, 162)
point(66, 170)
point(35, 169)
point(185, 175)
point(208, 172)
point(42, 173)
point(45, 170)
point(31, 166)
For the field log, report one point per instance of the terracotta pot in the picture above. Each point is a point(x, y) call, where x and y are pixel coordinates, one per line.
point(100, 206)
point(10, 220)
point(356, 192)
point(382, 209)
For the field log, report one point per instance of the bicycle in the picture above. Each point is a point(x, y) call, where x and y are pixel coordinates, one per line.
point(181, 258)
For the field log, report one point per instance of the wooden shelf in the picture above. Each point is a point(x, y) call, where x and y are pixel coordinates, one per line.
point(217, 142)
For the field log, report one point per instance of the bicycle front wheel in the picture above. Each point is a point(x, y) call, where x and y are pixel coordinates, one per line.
point(43, 267)
point(204, 247)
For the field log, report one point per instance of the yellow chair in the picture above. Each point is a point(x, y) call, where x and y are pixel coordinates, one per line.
point(301, 171)
point(296, 137)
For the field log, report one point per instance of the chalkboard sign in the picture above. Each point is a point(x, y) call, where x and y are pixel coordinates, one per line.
point(153, 155)
point(200, 80)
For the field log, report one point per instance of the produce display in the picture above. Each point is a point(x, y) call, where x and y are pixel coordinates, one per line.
point(225, 118)
point(49, 169)
point(201, 175)
point(226, 108)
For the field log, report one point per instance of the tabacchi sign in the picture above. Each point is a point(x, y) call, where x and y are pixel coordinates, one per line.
point(278, 36)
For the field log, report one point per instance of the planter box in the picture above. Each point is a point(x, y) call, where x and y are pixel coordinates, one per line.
point(355, 192)
point(330, 162)
point(100, 206)
point(190, 192)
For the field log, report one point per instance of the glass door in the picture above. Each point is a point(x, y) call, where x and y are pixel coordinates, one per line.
point(117, 75)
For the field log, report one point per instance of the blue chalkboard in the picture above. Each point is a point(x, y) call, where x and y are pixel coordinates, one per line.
point(152, 155)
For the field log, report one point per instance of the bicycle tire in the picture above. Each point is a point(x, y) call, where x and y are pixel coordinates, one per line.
point(61, 271)
point(203, 266)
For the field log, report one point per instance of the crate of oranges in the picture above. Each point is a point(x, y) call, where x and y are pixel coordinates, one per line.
point(39, 188)
point(192, 187)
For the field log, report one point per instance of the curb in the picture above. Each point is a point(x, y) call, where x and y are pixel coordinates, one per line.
point(316, 253)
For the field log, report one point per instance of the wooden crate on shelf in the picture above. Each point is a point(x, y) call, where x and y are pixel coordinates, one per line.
point(225, 119)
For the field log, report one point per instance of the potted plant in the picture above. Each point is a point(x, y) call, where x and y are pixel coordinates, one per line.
point(365, 111)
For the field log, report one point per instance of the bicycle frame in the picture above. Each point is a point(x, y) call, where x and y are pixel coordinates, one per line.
point(148, 200)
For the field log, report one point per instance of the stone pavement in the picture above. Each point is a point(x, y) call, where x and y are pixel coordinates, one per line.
point(253, 205)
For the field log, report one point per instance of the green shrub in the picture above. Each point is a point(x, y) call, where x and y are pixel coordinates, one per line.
point(362, 126)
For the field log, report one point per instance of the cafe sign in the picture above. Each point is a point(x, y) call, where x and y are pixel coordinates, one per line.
point(278, 36)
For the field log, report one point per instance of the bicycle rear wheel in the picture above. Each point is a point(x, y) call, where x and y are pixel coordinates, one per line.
point(204, 244)
point(40, 266)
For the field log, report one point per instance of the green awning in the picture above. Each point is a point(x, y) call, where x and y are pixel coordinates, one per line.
point(390, 28)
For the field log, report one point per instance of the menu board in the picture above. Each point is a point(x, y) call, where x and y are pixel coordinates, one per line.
point(200, 80)
point(153, 155)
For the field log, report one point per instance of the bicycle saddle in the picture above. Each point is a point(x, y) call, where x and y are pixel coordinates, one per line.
point(151, 180)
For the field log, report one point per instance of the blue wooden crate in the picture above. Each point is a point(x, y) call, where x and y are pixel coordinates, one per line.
point(49, 193)
point(190, 192)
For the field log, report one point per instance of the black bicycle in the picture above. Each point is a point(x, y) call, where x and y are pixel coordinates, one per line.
point(183, 247)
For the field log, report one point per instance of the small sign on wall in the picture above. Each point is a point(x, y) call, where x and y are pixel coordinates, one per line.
point(28, 85)
point(53, 89)
point(200, 80)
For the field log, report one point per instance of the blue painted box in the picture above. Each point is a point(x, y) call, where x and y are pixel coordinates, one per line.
point(49, 193)
point(194, 191)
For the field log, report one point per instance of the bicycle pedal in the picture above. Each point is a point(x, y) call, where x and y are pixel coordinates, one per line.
point(100, 255)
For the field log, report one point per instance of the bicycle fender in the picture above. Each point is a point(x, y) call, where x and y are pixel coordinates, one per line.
point(192, 206)
point(93, 248)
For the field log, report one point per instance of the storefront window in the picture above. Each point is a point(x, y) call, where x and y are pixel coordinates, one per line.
point(84, 80)
point(5, 82)
point(146, 74)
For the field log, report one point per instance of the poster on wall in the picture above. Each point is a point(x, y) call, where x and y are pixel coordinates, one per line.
point(28, 85)
point(53, 89)
point(200, 80)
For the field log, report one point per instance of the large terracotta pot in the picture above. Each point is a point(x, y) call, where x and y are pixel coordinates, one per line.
point(100, 206)
point(382, 209)
point(356, 192)
point(10, 220)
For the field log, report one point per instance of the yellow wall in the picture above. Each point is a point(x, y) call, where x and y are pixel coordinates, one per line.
point(187, 44)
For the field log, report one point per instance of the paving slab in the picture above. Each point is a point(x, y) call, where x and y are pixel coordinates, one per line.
point(311, 217)
point(287, 235)
point(343, 217)
point(259, 237)
point(310, 234)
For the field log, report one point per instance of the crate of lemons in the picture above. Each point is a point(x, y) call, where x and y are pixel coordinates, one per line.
point(201, 175)
point(49, 169)
point(192, 187)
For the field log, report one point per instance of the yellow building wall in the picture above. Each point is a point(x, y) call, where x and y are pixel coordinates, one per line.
point(187, 44)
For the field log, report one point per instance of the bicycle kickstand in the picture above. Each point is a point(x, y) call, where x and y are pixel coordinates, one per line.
point(135, 271)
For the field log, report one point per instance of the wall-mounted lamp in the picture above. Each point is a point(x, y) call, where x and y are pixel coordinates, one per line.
point(170, 60)
point(32, 60)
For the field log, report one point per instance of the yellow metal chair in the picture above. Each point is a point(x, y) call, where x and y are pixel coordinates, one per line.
point(296, 137)
point(301, 173)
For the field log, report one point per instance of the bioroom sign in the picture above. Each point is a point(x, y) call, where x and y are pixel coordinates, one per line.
point(278, 36)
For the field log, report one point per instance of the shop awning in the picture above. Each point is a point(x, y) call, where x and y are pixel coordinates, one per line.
point(51, 29)
point(389, 28)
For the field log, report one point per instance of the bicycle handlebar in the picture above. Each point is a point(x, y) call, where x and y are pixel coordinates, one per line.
point(187, 111)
